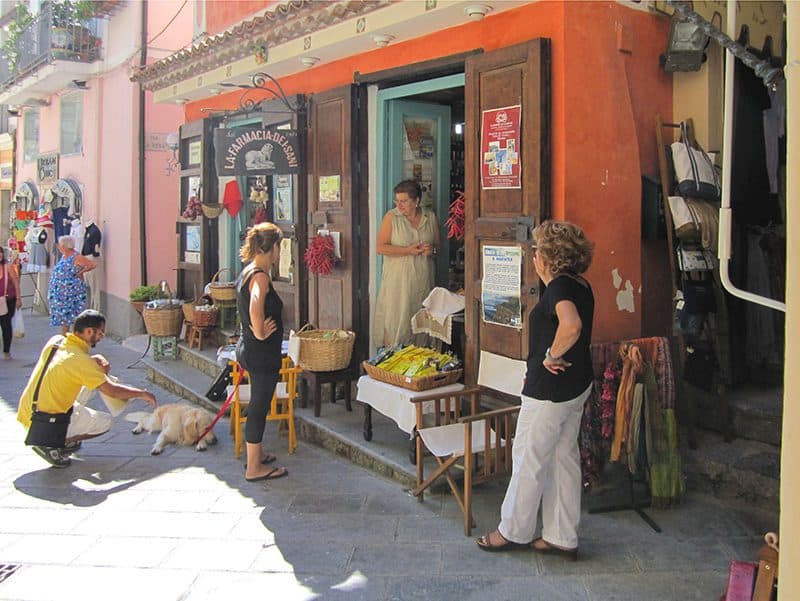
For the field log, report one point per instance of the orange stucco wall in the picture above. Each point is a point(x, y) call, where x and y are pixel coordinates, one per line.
point(603, 100)
point(221, 14)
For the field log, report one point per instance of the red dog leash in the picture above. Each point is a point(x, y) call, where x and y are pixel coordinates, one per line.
point(222, 410)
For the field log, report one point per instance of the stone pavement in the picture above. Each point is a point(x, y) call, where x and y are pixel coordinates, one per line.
point(122, 524)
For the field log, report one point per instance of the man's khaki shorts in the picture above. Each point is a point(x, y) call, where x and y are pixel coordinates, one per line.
point(85, 421)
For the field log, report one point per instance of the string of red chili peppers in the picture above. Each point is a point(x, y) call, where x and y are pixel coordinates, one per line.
point(455, 222)
point(319, 255)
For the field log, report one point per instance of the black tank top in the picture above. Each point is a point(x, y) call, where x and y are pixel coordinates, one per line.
point(252, 352)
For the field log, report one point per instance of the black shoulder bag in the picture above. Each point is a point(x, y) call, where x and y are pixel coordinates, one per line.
point(47, 429)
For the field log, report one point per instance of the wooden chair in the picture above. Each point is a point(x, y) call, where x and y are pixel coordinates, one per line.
point(469, 442)
point(281, 407)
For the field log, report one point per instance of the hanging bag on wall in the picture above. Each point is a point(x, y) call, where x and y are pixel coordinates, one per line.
point(695, 173)
point(47, 429)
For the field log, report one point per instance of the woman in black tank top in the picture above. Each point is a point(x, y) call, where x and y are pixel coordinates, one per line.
point(259, 346)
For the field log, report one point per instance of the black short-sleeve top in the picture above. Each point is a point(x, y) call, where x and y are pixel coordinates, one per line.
point(540, 383)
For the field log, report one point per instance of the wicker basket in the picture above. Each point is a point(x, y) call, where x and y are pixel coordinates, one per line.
point(205, 318)
point(188, 310)
point(164, 321)
point(222, 291)
point(421, 383)
point(325, 350)
point(211, 211)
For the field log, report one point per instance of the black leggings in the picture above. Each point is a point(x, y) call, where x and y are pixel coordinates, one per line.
point(5, 323)
point(262, 387)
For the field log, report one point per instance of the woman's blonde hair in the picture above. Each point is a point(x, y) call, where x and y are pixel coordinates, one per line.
point(563, 247)
point(260, 238)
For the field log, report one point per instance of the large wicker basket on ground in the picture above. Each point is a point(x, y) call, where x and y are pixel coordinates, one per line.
point(325, 350)
point(222, 291)
point(411, 383)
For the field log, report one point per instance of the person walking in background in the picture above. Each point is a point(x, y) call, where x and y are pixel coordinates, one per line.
point(259, 347)
point(60, 377)
point(9, 288)
point(67, 292)
point(558, 381)
point(408, 239)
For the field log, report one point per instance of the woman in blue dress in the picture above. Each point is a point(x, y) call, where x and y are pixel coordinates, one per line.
point(67, 292)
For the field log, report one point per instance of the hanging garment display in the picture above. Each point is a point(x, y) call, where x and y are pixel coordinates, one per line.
point(91, 240)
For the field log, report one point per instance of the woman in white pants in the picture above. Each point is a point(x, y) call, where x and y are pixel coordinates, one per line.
point(558, 381)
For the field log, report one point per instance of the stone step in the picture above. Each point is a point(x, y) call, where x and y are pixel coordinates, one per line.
point(742, 469)
point(755, 412)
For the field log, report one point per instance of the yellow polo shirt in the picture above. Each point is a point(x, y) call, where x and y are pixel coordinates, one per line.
point(69, 369)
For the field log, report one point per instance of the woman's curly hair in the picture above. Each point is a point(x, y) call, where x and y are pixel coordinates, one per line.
point(563, 247)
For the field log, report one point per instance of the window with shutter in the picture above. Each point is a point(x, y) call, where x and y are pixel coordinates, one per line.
point(31, 136)
point(72, 124)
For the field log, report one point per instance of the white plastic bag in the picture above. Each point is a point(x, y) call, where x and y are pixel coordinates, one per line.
point(18, 325)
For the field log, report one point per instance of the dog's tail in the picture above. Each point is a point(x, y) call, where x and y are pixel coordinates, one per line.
point(136, 416)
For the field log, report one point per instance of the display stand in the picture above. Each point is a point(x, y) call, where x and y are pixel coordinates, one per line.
point(631, 504)
point(716, 330)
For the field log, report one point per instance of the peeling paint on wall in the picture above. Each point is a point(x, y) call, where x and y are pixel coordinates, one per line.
point(624, 296)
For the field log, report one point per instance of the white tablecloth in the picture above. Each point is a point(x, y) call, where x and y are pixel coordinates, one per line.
point(395, 402)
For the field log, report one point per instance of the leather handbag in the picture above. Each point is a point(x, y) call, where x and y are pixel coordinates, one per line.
point(47, 429)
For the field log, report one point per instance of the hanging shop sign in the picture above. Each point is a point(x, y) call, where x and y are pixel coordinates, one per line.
point(501, 164)
point(256, 151)
point(47, 167)
point(6, 173)
point(501, 286)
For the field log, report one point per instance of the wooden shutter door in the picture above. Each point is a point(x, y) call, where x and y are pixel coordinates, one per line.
point(333, 146)
point(510, 76)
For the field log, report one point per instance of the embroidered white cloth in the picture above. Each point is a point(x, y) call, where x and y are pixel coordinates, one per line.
point(395, 402)
point(441, 303)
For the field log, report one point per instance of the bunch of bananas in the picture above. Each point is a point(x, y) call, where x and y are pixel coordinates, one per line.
point(418, 361)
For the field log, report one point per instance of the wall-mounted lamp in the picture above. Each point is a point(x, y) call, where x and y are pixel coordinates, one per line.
point(686, 47)
point(214, 91)
point(172, 142)
point(458, 129)
point(382, 39)
point(309, 61)
point(181, 100)
point(476, 12)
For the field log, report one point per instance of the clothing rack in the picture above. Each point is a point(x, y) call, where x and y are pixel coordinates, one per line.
point(716, 328)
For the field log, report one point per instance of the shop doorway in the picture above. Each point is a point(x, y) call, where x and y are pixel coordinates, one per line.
point(420, 137)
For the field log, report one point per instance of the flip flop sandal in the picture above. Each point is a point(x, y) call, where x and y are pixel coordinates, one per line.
point(266, 461)
point(568, 554)
point(270, 475)
point(485, 544)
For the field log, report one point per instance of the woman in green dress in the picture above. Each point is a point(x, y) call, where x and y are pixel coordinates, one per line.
point(408, 239)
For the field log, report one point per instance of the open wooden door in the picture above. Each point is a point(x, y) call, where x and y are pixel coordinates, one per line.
point(334, 193)
point(503, 217)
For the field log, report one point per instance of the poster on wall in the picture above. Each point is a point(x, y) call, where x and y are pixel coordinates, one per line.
point(256, 151)
point(501, 164)
point(329, 188)
point(501, 286)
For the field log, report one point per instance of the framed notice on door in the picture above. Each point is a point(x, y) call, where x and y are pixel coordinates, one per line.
point(501, 164)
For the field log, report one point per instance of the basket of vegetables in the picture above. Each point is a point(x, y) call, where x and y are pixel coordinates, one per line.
point(325, 350)
point(413, 367)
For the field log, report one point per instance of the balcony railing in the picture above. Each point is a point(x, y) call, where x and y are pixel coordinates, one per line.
point(46, 39)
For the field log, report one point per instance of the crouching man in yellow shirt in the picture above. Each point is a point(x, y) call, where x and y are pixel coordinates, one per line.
point(70, 368)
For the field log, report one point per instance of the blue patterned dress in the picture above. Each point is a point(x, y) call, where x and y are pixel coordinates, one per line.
point(67, 292)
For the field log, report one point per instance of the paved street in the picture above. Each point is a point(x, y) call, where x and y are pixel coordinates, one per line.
point(121, 524)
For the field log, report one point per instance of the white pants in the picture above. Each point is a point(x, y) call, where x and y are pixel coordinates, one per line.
point(92, 279)
point(547, 470)
point(85, 421)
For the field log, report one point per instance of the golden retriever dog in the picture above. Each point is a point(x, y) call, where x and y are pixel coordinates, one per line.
point(177, 424)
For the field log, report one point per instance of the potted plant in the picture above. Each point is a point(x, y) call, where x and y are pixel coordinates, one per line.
point(141, 295)
point(69, 32)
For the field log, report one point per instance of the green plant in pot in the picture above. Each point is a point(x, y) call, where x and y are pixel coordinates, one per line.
point(69, 33)
point(141, 295)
